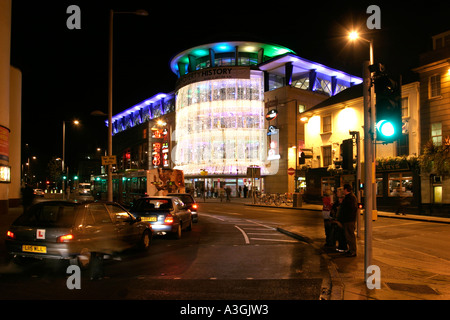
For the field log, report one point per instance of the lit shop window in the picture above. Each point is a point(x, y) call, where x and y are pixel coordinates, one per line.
point(400, 185)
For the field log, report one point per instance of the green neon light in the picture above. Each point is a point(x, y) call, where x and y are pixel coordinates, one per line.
point(270, 50)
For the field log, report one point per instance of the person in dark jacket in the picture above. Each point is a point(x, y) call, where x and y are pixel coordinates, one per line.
point(347, 217)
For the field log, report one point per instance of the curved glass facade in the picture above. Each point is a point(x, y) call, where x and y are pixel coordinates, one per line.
point(220, 126)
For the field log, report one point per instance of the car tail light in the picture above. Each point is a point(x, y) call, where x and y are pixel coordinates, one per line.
point(10, 235)
point(168, 219)
point(194, 206)
point(65, 238)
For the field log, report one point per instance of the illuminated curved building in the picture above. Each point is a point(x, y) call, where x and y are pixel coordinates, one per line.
point(220, 126)
point(235, 105)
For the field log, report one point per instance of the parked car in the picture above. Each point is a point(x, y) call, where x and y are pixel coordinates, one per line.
point(166, 214)
point(188, 200)
point(70, 230)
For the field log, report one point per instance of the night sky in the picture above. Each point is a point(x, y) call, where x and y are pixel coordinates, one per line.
point(65, 72)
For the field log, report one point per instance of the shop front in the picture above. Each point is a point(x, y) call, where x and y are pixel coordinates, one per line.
point(213, 187)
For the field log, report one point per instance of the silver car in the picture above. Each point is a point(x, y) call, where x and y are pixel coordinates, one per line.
point(166, 214)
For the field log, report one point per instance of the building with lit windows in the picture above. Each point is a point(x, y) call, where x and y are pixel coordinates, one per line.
point(434, 72)
point(331, 123)
point(235, 105)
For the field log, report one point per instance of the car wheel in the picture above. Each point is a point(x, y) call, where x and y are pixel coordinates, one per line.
point(146, 240)
point(83, 259)
point(177, 234)
point(189, 227)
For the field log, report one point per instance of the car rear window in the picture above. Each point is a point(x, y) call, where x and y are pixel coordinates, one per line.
point(49, 216)
point(153, 204)
point(187, 199)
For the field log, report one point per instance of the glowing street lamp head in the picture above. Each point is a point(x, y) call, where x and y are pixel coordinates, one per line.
point(353, 35)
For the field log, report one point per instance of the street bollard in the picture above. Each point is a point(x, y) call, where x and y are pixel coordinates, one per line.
point(297, 200)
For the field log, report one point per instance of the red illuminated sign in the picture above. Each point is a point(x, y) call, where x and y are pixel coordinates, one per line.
point(156, 154)
point(272, 114)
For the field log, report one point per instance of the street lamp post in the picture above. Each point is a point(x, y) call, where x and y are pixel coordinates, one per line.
point(75, 122)
point(369, 153)
point(110, 89)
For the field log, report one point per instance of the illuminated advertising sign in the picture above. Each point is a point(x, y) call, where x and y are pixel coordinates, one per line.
point(165, 154)
point(5, 174)
point(4, 143)
point(156, 154)
point(272, 114)
point(213, 74)
point(274, 149)
point(160, 147)
point(272, 130)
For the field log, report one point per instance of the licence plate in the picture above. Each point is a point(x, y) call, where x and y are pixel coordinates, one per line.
point(35, 249)
point(149, 219)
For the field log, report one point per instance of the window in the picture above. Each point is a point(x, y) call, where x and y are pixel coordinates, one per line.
point(301, 83)
point(403, 145)
point(435, 86)
point(405, 107)
point(327, 184)
point(436, 133)
point(275, 81)
point(327, 156)
point(442, 42)
point(326, 124)
point(117, 212)
point(379, 187)
point(49, 216)
point(400, 185)
point(437, 194)
point(99, 214)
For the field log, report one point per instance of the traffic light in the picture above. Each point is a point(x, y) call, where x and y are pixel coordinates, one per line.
point(347, 154)
point(388, 109)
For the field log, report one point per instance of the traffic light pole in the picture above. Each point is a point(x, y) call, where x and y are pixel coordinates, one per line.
point(369, 167)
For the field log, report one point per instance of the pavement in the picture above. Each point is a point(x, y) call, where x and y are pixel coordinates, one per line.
point(403, 277)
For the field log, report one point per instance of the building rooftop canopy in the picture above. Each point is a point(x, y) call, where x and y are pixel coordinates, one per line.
point(301, 66)
point(191, 59)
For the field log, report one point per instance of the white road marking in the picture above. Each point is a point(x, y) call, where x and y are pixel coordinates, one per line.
point(279, 240)
point(247, 241)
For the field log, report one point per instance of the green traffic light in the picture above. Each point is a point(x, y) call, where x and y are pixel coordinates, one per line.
point(386, 128)
point(388, 108)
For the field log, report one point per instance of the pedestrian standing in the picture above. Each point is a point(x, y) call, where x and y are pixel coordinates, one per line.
point(327, 223)
point(203, 193)
point(347, 218)
point(221, 193)
point(338, 228)
point(228, 191)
